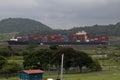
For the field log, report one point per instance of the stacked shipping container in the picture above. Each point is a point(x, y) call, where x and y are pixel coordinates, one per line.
point(78, 37)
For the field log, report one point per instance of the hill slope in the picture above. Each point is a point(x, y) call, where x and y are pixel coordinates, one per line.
point(21, 25)
point(110, 30)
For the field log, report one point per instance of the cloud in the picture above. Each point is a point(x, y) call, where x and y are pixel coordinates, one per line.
point(18, 3)
point(63, 13)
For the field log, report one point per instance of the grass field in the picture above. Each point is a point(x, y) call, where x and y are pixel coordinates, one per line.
point(17, 59)
point(102, 75)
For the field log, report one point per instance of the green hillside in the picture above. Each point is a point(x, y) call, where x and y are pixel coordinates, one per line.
point(21, 25)
point(28, 26)
point(110, 30)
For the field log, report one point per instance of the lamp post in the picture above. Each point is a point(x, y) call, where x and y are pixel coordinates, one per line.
point(61, 77)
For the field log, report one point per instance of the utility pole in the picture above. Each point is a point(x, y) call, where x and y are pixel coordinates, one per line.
point(61, 77)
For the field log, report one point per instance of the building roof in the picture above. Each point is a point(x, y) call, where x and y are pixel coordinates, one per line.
point(33, 71)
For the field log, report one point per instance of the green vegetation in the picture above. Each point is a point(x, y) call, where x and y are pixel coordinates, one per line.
point(34, 58)
point(102, 75)
point(6, 36)
point(2, 61)
point(113, 73)
point(21, 25)
point(13, 59)
point(43, 57)
point(12, 78)
point(11, 67)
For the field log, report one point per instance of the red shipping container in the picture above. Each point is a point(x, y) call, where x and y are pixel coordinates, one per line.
point(103, 39)
point(19, 38)
point(82, 37)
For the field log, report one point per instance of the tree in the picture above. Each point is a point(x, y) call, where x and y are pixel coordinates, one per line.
point(95, 66)
point(38, 59)
point(11, 67)
point(73, 58)
point(5, 52)
point(31, 46)
point(54, 47)
point(3, 61)
point(43, 57)
point(69, 57)
point(83, 59)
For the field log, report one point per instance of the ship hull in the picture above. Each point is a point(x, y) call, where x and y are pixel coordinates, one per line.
point(55, 43)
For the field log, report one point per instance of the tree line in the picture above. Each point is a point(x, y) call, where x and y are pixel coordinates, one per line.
point(98, 30)
point(45, 59)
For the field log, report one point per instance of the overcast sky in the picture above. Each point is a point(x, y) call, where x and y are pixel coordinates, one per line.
point(63, 14)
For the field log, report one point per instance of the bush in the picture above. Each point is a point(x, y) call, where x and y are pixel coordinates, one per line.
point(5, 52)
point(11, 67)
point(95, 66)
point(3, 61)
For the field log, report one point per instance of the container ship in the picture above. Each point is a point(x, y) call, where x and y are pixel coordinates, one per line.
point(79, 38)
